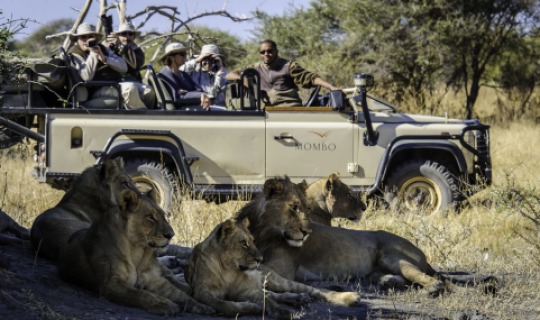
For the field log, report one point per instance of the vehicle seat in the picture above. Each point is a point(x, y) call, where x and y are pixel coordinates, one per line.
point(79, 96)
point(237, 97)
point(164, 92)
point(164, 98)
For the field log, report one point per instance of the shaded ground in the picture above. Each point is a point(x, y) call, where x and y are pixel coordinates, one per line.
point(31, 289)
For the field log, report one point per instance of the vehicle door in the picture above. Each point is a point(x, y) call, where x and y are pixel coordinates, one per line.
point(308, 143)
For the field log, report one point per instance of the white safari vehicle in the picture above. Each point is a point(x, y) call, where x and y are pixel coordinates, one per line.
point(421, 162)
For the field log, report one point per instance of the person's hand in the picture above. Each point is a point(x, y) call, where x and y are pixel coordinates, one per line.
point(112, 40)
point(97, 49)
point(201, 57)
point(205, 102)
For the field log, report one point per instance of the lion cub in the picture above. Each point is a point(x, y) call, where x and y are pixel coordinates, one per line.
point(222, 272)
point(116, 257)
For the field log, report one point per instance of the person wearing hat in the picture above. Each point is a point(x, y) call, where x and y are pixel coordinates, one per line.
point(94, 61)
point(281, 78)
point(122, 42)
point(207, 71)
point(185, 89)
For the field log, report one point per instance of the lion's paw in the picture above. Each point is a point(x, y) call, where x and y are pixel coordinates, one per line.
point(390, 281)
point(348, 298)
point(436, 289)
point(163, 307)
point(198, 308)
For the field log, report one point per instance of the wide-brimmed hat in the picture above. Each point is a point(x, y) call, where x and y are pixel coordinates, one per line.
point(210, 49)
point(86, 29)
point(126, 27)
point(172, 48)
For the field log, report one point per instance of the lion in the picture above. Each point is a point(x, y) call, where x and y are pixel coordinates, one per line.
point(91, 194)
point(9, 226)
point(330, 198)
point(224, 272)
point(329, 252)
point(116, 257)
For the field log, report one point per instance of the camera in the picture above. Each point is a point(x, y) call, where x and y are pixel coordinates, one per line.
point(91, 43)
point(213, 64)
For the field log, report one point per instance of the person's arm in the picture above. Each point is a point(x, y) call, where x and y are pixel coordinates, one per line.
point(307, 79)
point(116, 62)
point(232, 76)
point(320, 82)
point(189, 66)
point(85, 68)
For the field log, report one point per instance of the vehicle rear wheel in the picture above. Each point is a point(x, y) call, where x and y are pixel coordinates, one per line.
point(423, 186)
point(153, 177)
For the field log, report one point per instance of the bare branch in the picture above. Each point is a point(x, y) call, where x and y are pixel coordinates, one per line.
point(80, 18)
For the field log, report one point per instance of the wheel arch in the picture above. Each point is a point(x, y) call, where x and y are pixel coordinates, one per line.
point(444, 152)
point(160, 151)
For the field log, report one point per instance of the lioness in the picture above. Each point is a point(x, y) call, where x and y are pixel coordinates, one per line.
point(222, 272)
point(282, 236)
point(9, 226)
point(116, 257)
point(330, 198)
point(91, 194)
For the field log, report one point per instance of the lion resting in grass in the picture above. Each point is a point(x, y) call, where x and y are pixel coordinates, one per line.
point(116, 257)
point(330, 198)
point(95, 191)
point(288, 241)
point(222, 273)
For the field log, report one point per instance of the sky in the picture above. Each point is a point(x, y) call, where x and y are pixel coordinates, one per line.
point(42, 11)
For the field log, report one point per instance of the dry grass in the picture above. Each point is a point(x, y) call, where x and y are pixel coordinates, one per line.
point(486, 237)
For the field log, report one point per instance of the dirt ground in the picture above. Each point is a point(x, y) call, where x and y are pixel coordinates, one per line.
point(31, 289)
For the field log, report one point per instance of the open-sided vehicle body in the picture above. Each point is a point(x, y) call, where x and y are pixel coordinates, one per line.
point(423, 162)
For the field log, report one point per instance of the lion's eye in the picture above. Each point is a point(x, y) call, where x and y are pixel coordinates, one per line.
point(245, 245)
point(294, 208)
point(151, 219)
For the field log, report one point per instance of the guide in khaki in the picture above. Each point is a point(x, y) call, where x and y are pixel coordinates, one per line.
point(419, 162)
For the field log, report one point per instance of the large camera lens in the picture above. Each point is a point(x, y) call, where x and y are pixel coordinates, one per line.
point(214, 64)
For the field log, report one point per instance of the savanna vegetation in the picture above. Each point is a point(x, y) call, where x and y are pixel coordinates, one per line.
point(427, 56)
point(466, 58)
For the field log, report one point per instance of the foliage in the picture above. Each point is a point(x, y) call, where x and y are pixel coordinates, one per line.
point(8, 28)
point(195, 38)
point(36, 45)
point(413, 47)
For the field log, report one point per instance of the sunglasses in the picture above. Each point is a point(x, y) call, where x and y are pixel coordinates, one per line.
point(127, 33)
point(85, 37)
point(270, 51)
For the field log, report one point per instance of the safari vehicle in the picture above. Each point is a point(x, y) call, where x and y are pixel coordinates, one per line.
point(421, 162)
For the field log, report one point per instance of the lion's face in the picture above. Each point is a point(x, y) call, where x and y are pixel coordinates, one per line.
point(341, 201)
point(146, 222)
point(115, 178)
point(285, 210)
point(237, 246)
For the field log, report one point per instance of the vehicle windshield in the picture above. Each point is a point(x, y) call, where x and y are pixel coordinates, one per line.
point(377, 104)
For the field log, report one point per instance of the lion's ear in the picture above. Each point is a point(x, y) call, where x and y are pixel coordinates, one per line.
point(272, 187)
point(332, 179)
point(226, 229)
point(129, 201)
point(112, 168)
point(303, 185)
point(245, 223)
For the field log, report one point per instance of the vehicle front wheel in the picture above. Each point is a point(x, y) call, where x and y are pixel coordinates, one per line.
point(423, 186)
point(153, 177)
